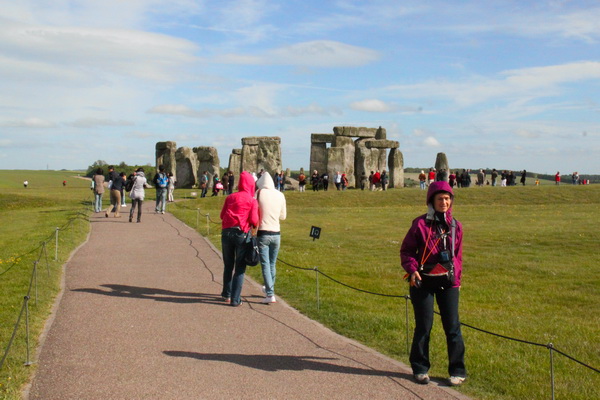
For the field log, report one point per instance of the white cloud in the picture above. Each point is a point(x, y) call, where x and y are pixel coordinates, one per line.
point(372, 105)
point(430, 141)
point(97, 122)
point(32, 122)
point(317, 53)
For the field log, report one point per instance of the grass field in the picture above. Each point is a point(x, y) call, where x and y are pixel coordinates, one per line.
point(531, 272)
point(29, 218)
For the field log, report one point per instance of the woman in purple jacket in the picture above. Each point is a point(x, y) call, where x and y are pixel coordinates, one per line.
point(435, 238)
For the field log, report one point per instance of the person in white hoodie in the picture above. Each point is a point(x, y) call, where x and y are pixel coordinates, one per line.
point(271, 208)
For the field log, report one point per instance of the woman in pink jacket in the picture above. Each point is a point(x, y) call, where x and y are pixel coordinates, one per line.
point(239, 215)
point(434, 243)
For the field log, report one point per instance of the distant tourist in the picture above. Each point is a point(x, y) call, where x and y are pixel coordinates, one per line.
point(338, 180)
point(171, 188)
point(161, 184)
point(204, 183)
point(452, 179)
point(314, 181)
point(431, 175)
point(98, 188)
point(422, 180)
point(376, 180)
point(301, 182)
point(363, 180)
point(557, 178)
point(480, 177)
point(384, 180)
point(325, 181)
point(137, 194)
point(231, 179)
point(523, 177)
point(494, 176)
point(116, 187)
point(25, 183)
point(344, 181)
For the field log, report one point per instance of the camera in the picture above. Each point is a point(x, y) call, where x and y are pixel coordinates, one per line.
point(444, 256)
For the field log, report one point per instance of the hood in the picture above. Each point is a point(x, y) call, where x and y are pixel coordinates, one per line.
point(265, 181)
point(141, 173)
point(246, 183)
point(435, 187)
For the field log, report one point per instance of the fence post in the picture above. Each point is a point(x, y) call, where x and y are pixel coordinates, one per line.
point(318, 298)
point(28, 362)
point(551, 348)
point(56, 246)
point(35, 276)
point(406, 298)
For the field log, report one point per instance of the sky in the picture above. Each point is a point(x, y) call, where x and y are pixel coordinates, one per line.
point(492, 84)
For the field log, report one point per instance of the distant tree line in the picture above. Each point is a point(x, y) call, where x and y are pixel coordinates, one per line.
point(121, 167)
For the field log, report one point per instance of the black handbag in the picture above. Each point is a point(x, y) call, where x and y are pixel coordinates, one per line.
point(252, 256)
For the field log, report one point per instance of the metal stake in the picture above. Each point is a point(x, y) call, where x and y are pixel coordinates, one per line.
point(551, 347)
point(318, 297)
point(56, 247)
point(28, 362)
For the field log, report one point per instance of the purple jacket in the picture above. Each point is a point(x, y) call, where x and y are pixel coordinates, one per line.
point(413, 245)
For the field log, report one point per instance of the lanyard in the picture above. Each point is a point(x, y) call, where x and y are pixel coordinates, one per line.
point(426, 255)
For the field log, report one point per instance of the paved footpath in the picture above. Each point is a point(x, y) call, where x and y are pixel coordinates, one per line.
point(141, 317)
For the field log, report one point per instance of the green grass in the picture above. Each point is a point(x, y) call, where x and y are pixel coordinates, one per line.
point(29, 218)
point(531, 272)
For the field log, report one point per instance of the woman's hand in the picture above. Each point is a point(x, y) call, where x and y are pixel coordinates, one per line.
point(414, 277)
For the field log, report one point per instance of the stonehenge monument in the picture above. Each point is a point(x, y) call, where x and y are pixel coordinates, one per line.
point(351, 150)
point(187, 164)
point(353, 156)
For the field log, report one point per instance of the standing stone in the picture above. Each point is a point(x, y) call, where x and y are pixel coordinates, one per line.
point(336, 159)
point(165, 155)
point(187, 166)
point(268, 155)
point(366, 159)
point(235, 162)
point(318, 151)
point(347, 144)
point(396, 166)
point(208, 160)
point(261, 152)
point(441, 163)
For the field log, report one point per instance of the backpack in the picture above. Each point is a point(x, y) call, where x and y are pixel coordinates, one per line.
point(163, 180)
point(129, 184)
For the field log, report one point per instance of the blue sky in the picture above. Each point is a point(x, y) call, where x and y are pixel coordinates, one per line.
point(504, 84)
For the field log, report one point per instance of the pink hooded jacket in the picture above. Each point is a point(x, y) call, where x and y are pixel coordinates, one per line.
point(413, 245)
point(241, 208)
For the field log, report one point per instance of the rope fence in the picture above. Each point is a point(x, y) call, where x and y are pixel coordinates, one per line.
point(33, 284)
point(318, 272)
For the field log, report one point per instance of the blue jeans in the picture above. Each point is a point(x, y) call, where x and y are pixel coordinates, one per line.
point(161, 199)
point(447, 300)
point(98, 202)
point(268, 246)
point(422, 183)
point(233, 245)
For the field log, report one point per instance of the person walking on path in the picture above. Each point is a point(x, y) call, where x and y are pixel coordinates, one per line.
point(239, 215)
point(116, 187)
point(271, 208)
point(435, 239)
point(98, 188)
point(137, 194)
point(161, 183)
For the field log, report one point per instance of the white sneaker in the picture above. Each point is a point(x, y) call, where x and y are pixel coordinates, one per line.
point(456, 380)
point(123, 205)
point(264, 290)
point(162, 212)
point(269, 299)
point(422, 379)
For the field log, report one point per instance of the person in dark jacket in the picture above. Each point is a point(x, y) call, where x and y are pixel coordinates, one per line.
point(435, 238)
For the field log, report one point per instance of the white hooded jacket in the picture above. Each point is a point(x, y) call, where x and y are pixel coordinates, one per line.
point(271, 204)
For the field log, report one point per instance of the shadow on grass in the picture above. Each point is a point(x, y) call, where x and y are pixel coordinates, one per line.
point(170, 296)
point(274, 363)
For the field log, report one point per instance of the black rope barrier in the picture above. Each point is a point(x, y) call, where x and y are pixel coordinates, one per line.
point(549, 346)
point(24, 308)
